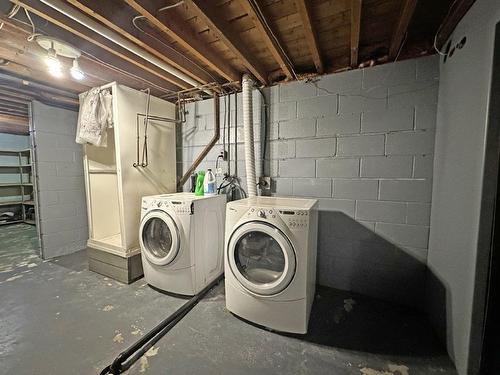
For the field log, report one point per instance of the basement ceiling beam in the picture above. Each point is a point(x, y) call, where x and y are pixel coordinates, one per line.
point(210, 16)
point(312, 40)
point(184, 36)
point(12, 99)
point(458, 11)
point(25, 61)
point(104, 12)
point(407, 10)
point(67, 24)
point(257, 17)
point(355, 31)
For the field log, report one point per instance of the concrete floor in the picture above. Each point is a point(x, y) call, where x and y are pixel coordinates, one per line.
point(56, 317)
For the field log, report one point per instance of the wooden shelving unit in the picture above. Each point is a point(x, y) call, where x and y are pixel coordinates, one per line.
point(19, 168)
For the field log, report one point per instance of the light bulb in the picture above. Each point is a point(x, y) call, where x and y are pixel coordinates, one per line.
point(56, 71)
point(76, 72)
point(51, 60)
point(53, 63)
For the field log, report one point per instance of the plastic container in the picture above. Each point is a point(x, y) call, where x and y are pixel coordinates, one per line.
point(209, 183)
point(199, 190)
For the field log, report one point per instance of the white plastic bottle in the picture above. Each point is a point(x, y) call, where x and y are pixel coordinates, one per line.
point(209, 183)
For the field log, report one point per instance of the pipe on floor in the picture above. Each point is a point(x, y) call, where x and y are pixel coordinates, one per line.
point(207, 148)
point(247, 85)
point(128, 357)
point(82, 19)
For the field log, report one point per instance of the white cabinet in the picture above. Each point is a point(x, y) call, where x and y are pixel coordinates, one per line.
point(115, 187)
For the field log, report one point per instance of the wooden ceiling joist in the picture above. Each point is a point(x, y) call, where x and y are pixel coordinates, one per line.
point(65, 23)
point(252, 10)
point(104, 13)
point(210, 16)
point(355, 31)
point(407, 10)
point(185, 37)
point(310, 34)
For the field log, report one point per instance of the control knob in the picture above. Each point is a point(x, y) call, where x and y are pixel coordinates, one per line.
point(261, 213)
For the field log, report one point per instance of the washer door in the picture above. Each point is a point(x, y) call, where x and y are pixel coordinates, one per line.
point(159, 237)
point(261, 258)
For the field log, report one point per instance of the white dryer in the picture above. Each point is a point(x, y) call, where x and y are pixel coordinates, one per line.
point(270, 261)
point(182, 241)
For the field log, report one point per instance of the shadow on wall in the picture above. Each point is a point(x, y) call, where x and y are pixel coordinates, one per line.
point(352, 257)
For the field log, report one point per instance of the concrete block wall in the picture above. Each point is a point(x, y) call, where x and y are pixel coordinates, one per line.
point(362, 143)
point(61, 187)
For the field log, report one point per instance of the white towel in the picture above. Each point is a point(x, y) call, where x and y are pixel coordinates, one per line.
point(95, 117)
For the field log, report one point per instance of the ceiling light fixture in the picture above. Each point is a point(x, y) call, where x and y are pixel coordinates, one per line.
point(57, 48)
point(76, 72)
point(53, 63)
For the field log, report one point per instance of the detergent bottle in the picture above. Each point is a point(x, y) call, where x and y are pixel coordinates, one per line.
point(209, 183)
point(199, 183)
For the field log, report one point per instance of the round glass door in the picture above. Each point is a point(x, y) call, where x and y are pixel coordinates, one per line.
point(261, 258)
point(159, 237)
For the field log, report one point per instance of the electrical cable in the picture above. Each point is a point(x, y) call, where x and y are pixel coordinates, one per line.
point(264, 141)
point(13, 11)
point(440, 27)
point(263, 19)
point(33, 30)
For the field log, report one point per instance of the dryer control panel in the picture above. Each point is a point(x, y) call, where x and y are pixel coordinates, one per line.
point(295, 219)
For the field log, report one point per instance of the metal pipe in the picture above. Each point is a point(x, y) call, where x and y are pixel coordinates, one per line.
point(127, 358)
point(77, 16)
point(207, 148)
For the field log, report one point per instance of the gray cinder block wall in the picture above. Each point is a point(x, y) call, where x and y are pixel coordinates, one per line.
point(61, 187)
point(362, 143)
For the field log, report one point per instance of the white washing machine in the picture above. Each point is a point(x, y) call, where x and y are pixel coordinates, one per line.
point(182, 241)
point(270, 261)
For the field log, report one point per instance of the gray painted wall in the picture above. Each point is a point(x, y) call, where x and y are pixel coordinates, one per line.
point(61, 188)
point(458, 170)
point(361, 142)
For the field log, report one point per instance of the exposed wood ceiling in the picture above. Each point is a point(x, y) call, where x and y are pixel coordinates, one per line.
point(218, 40)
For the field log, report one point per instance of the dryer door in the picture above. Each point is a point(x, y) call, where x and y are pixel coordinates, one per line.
point(261, 258)
point(159, 237)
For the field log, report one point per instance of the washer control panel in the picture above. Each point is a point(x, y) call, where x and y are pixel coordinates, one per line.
point(178, 207)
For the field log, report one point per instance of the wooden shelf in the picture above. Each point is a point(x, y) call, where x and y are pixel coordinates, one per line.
point(28, 203)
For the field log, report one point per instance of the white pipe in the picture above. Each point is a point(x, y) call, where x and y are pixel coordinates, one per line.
point(247, 85)
point(258, 136)
point(79, 17)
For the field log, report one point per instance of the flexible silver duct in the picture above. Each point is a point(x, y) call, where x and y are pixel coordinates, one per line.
point(247, 86)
